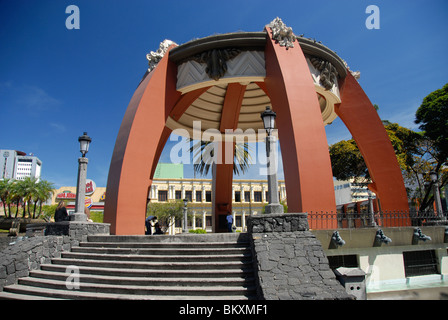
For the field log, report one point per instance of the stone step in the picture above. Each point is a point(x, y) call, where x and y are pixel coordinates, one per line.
point(154, 265)
point(148, 280)
point(81, 253)
point(229, 238)
point(148, 249)
point(165, 245)
point(140, 289)
point(160, 273)
point(46, 293)
point(146, 267)
point(18, 296)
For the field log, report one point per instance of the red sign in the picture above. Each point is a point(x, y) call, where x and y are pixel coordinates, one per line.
point(90, 187)
point(88, 202)
point(66, 195)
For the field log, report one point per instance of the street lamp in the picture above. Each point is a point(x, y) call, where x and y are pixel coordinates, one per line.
point(268, 116)
point(184, 230)
point(372, 211)
point(84, 143)
point(79, 215)
point(434, 178)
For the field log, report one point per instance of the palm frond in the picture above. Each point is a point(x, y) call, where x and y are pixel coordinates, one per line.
point(204, 157)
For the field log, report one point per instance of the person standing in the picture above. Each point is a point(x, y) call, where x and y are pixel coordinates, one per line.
point(60, 213)
point(229, 221)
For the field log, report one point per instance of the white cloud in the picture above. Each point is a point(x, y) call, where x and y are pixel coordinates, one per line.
point(58, 126)
point(35, 98)
point(405, 118)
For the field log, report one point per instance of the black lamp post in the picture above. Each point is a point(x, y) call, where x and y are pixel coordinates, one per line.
point(268, 117)
point(79, 215)
point(84, 143)
point(184, 230)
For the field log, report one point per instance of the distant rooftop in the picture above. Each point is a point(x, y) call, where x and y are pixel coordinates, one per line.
point(169, 171)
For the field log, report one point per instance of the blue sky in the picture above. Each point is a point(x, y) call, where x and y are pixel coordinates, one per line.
point(56, 83)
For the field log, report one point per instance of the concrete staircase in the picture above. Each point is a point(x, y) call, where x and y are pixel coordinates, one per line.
point(194, 267)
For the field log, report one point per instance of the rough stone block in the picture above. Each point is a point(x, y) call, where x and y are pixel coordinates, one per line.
point(290, 261)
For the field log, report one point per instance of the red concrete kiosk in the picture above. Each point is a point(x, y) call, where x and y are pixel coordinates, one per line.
point(224, 82)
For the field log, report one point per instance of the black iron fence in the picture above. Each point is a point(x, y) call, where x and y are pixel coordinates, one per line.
point(331, 220)
point(325, 220)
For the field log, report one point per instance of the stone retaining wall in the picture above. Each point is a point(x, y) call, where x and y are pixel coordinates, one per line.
point(28, 254)
point(43, 242)
point(290, 261)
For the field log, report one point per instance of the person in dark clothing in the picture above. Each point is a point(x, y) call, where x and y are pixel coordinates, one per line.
point(158, 229)
point(60, 213)
point(148, 224)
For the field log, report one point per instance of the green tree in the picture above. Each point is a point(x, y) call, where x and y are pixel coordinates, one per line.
point(16, 195)
point(47, 211)
point(5, 196)
point(44, 192)
point(28, 192)
point(347, 161)
point(432, 115)
point(166, 212)
point(415, 154)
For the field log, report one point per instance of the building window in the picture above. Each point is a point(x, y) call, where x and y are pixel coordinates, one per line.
point(178, 194)
point(267, 196)
point(238, 221)
point(419, 263)
point(247, 196)
point(163, 195)
point(208, 221)
point(199, 222)
point(188, 195)
point(257, 196)
point(237, 196)
point(208, 196)
point(348, 261)
point(198, 196)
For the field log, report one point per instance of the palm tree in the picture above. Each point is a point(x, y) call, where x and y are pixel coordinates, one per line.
point(44, 192)
point(204, 157)
point(15, 195)
point(5, 196)
point(28, 190)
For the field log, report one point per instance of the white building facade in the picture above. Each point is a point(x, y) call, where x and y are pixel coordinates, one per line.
point(18, 165)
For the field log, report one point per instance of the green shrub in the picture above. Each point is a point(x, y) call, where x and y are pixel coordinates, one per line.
point(96, 216)
point(197, 231)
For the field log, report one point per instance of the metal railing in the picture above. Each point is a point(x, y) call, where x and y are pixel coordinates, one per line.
point(340, 220)
point(325, 220)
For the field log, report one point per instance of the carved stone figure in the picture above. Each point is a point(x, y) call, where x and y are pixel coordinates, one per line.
point(355, 74)
point(282, 34)
point(155, 57)
point(328, 73)
point(216, 61)
point(337, 240)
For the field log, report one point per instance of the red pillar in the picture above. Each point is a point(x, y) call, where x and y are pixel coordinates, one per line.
point(366, 127)
point(306, 161)
point(223, 178)
point(137, 149)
